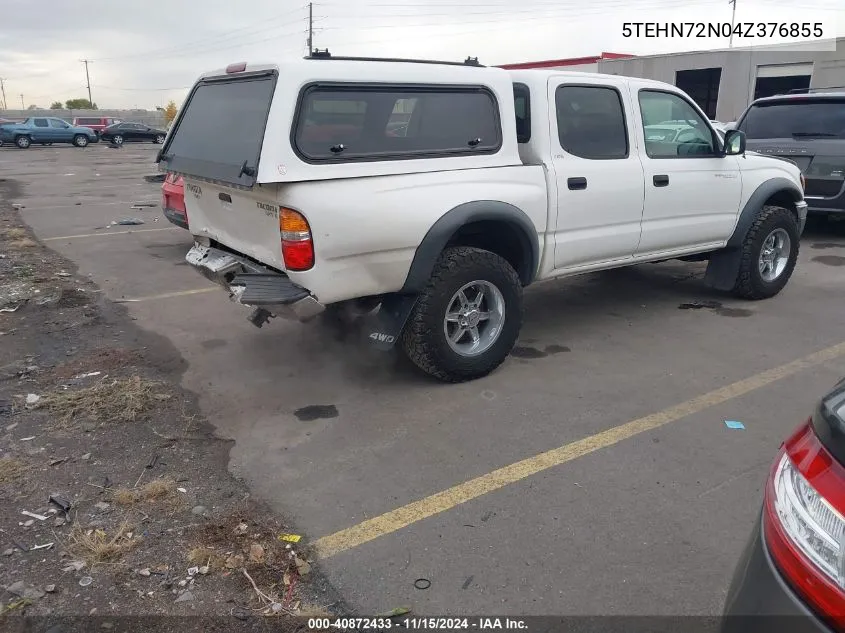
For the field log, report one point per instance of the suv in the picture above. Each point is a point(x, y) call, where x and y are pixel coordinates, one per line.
point(808, 129)
point(98, 124)
point(436, 192)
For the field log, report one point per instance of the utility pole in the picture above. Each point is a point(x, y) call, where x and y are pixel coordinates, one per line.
point(23, 107)
point(310, 29)
point(3, 90)
point(733, 22)
point(88, 80)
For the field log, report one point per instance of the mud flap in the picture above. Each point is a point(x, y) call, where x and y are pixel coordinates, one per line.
point(384, 327)
point(723, 269)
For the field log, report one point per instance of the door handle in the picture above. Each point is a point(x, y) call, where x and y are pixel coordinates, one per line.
point(576, 183)
point(661, 181)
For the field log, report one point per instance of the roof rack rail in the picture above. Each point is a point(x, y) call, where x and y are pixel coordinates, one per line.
point(325, 54)
point(796, 91)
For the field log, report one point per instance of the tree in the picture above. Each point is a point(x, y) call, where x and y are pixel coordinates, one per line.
point(80, 104)
point(32, 107)
point(170, 111)
point(56, 105)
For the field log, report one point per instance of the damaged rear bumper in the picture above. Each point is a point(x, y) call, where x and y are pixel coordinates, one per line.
point(253, 285)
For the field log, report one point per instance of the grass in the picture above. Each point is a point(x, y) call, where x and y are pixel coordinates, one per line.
point(154, 491)
point(119, 400)
point(23, 243)
point(11, 469)
point(15, 234)
point(201, 556)
point(96, 546)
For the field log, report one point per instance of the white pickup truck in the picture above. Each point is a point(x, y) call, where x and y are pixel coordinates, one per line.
point(426, 196)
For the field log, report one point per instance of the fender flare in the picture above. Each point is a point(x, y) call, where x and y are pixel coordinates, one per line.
point(449, 223)
point(723, 266)
point(755, 203)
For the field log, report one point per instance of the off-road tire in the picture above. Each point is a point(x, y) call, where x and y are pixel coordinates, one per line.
point(23, 141)
point(749, 282)
point(80, 140)
point(423, 340)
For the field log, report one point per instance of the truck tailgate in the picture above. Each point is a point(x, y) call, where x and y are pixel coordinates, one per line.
point(245, 221)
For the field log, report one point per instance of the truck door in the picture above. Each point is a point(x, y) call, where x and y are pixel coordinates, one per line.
point(692, 191)
point(60, 131)
point(598, 172)
point(40, 131)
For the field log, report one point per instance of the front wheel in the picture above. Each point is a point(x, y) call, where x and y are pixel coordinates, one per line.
point(117, 139)
point(23, 142)
point(468, 317)
point(159, 139)
point(769, 253)
point(80, 140)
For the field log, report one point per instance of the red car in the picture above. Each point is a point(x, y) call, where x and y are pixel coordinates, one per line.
point(96, 123)
point(173, 200)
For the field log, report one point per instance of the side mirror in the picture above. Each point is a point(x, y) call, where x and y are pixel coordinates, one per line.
point(734, 142)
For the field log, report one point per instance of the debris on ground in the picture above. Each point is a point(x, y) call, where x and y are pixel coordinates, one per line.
point(128, 222)
point(395, 612)
point(734, 424)
point(155, 178)
point(32, 399)
point(105, 385)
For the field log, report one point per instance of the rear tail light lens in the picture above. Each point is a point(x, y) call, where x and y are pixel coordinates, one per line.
point(297, 244)
point(804, 523)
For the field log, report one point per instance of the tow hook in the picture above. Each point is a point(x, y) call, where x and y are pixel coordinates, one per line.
point(259, 317)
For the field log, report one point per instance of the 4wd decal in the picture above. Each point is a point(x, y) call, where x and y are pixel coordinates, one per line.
point(194, 189)
point(270, 210)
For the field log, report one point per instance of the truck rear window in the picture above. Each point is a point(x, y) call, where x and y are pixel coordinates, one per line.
point(221, 129)
point(353, 122)
point(799, 117)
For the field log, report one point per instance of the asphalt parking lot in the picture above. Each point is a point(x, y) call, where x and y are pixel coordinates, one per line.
point(591, 474)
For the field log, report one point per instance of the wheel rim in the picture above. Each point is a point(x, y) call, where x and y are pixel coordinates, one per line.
point(82, 141)
point(159, 139)
point(24, 142)
point(474, 318)
point(118, 140)
point(774, 255)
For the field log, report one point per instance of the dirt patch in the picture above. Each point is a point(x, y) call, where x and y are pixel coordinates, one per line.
point(124, 484)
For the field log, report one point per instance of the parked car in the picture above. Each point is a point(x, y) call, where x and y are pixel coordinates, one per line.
point(304, 201)
point(173, 200)
point(793, 562)
point(46, 130)
point(98, 124)
point(132, 132)
point(808, 129)
point(675, 132)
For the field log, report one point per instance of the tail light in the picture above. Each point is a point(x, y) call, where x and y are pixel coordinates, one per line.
point(297, 245)
point(804, 522)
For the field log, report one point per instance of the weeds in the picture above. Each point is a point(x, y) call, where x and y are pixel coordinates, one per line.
point(95, 546)
point(120, 400)
point(11, 469)
point(155, 491)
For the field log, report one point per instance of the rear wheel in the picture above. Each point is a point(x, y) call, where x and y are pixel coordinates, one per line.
point(117, 139)
point(769, 254)
point(23, 142)
point(159, 139)
point(467, 318)
point(80, 140)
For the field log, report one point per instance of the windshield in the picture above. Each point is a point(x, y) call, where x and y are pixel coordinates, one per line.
point(799, 118)
point(221, 129)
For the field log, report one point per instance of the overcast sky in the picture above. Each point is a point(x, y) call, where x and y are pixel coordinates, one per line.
point(147, 52)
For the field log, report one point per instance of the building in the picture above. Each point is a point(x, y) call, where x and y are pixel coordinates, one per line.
point(581, 64)
point(723, 82)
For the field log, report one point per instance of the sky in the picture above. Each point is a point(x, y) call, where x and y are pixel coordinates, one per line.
point(144, 54)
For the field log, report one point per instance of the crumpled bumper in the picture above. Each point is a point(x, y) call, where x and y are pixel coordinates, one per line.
point(253, 285)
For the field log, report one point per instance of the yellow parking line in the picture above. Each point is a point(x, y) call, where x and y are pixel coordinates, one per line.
point(168, 295)
point(447, 499)
point(72, 237)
